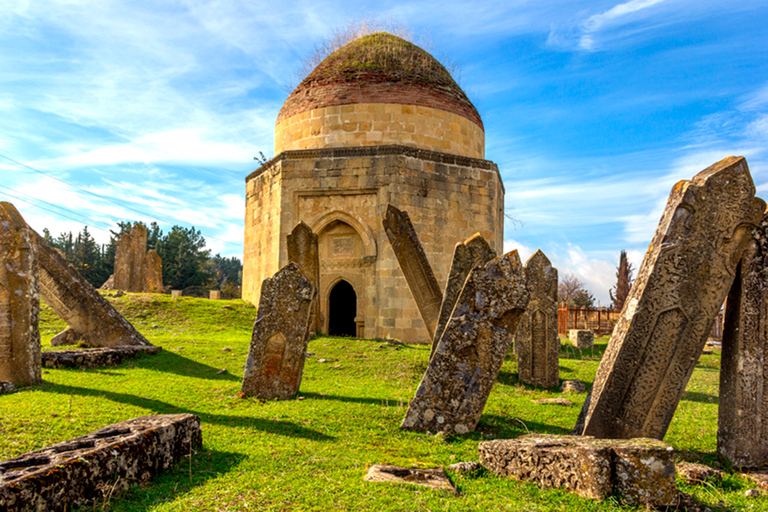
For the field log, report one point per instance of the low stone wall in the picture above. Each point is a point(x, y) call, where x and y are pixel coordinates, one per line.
point(641, 471)
point(88, 468)
point(95, 357)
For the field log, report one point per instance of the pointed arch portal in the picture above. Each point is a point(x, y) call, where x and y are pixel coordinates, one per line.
point(342, 309)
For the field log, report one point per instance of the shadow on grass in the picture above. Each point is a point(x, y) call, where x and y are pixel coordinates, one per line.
point(278, 427)
point(350, 399)
point(512, 379)
point(180, 479)
point(704, 398)
point(583, 354)
point(505, 427)
point(171, 362)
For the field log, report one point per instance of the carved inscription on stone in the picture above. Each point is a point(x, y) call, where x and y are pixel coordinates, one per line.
point(669, 313)
point(536, 341)
point(342, 245)
point(471, 253)
point(6, 342)
point(467, 360)
point(280, 335)
point(415, 266)
point(742, 433)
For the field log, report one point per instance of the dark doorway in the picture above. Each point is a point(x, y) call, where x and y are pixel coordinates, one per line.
point(342, 309)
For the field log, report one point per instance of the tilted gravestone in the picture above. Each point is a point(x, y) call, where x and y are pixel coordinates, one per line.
point(19, 301)
point(414, 265)
point(136, 269)
point(280, 335)
point(467, 360)
point(473, 252)
point(302, 250)
point(742, 434)
point(536, 341)
point(670, 311)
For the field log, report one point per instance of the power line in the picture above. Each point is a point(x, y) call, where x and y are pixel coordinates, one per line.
point(48, 210)
point(75, 187)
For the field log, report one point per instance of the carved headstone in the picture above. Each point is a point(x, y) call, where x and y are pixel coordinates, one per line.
point(152, 267)
point(415, 266)
point(90, 317)
point(669, 313)
point(536, 340)
point(581, 338)
point(742, 434)
point(471, 253)
point(136, 269)
point(302, 250)
point(19, 301)
point(280, 335)
point(467, 360)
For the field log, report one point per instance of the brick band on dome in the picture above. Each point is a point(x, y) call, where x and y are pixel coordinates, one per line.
point(380, 68)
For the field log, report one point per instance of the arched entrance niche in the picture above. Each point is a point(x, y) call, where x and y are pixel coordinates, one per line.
point(342, 310)
point(347, 252)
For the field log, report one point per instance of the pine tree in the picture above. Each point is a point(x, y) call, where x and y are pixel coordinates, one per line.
point(624, 280)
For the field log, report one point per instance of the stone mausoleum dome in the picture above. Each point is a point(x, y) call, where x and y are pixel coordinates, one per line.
point(377, 90)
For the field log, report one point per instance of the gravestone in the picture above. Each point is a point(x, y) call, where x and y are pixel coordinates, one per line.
point(640, 471)
point(19, 301)
point(414, 265)
point(302, 250)
point(474, 251)
point(536, 340)
point(280, 335)
point(581, 338)
point(175, 294)
point(136, 269)
point(742, 434)
point(153, 272)
point(671, 308)
point(467, 360)
point(214, 294)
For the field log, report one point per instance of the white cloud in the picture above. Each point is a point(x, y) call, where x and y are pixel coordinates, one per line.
point(525, 252)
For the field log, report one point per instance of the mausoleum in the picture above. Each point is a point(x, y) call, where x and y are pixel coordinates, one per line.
point(378, 121)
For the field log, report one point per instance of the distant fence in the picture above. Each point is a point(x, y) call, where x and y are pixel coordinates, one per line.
point(601, 321)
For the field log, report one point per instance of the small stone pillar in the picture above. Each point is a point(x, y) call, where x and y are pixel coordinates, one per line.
point(176, 294)
point(581, 338)
point(214, 294)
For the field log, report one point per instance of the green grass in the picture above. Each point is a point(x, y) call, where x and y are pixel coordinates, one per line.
point(311, 453)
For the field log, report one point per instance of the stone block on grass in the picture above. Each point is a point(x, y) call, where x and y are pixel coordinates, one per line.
point(581, 338)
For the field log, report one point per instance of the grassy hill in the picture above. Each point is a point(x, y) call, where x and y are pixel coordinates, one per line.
point(311, 453)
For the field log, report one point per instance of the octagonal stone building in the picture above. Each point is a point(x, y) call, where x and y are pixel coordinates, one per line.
point(378, 121)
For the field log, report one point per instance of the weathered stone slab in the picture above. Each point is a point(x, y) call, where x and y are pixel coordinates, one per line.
point(536, 340)
point(95, 357)
point(742, 433)
point(573, 386)
point(7, 387)
point(581, 338)
point(467, 360)
point(694, 473)
point(641, 471)
point(280, 335)
point(129, 256)
point(670, 310)
point(89, 468)
point(473, 252)
point(433, 478)
point(19, 301)
point(176, 294)
point(153, 272)
point(303, 250)
point(90, 317)
point(214, 294)
point(415, 266)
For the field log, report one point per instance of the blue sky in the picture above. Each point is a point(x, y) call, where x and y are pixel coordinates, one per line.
point(592, 110)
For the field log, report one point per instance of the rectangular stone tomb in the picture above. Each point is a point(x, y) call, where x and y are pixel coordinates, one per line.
point(466, 362)
point(303, 250)
point(86, 469)
point(19, 301)
point(671, 308)
point(414, 265)
point(473, 252)
point(641, 471)
point(581, 338)
point(95, 357)
point(280, 335)
point(536, 341)
point(742, 433)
